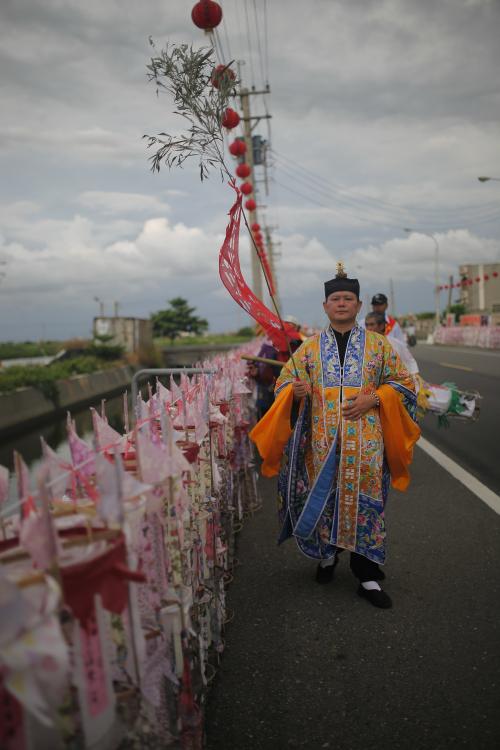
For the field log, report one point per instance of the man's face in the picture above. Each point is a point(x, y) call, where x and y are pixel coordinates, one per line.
point(342, 307)
point(380, 308)
point(372, 325)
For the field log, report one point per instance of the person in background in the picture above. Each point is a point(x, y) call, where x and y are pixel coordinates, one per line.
point(392, 328)
point(375, 321)
point(265, 374)
point(411, 332)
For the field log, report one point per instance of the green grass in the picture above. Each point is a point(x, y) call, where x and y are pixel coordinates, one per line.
point(17, 349)
point(45, 378)
point(211, 338)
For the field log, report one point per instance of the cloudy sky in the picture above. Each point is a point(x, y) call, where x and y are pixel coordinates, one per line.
point(384, 112)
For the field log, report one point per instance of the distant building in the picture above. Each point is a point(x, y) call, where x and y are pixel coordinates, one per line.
point(481, 297)
point(132, 333)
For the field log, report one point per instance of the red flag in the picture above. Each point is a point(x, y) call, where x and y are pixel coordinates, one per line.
point(232, 278)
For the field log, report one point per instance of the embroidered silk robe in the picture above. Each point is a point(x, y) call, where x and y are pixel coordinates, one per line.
point(334, 477)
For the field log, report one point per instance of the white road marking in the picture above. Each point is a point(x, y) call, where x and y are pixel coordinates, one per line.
point(456, 367)
point(474, 485)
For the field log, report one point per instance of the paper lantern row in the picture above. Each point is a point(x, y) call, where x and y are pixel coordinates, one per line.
point(468, 282)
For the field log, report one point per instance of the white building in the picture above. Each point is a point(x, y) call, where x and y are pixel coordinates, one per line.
point(132, 333)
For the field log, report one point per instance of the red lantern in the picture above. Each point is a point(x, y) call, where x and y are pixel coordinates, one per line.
point(206, 14)
point(445, 286)
point(257, 237)
point(255, 227)
point(246, 188)
point(495, 274)
point(250, 204)
point(222, 74)
point(486, 277)
point(230, 119)
point(238, 147)
point(470, 282)
point(243, 171)
point(478, 278)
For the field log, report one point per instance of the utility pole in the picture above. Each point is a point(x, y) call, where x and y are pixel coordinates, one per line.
point(101, 306)
point(270, 251)
point(247, 119)
point(450, 289)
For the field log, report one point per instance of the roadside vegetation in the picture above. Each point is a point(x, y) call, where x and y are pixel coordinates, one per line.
point(18, 349)
point(80, 358)
point(237, 337)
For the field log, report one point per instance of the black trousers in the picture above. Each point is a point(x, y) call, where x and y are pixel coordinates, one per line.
point(362, 568)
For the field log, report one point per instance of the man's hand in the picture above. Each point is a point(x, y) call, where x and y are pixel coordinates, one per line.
point(300, 389)
point(355, 408)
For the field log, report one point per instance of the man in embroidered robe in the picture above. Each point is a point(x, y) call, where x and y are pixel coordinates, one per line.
point(343, 423)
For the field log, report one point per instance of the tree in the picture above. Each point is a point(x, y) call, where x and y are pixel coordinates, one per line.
point(179, 318)
point(457, 310)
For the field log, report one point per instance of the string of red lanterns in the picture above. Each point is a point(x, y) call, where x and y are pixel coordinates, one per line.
point(230, 119)
point(243, 170)
point(238, 147)
point(207, 15)
point(222, 73)
point(468, 282)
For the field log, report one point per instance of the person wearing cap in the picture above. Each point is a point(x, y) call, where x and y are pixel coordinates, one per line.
point(392, 327)
point(293, 320)
point(342, 428)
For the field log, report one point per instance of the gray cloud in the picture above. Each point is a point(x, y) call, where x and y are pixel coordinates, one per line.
point(392, 104)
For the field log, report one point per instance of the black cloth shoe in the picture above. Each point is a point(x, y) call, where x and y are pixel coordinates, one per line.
point(377, 598)
point(325, 575)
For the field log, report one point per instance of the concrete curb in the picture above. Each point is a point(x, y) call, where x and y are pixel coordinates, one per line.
point(27, 407)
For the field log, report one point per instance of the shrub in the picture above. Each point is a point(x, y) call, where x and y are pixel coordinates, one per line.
point(246, 331)
point(44, 378)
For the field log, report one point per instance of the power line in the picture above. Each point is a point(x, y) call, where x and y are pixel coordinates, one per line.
point(213, 41)
point(333, 209)
point(353, 210)
point(398, 213)
point(259, 47)
point(218, 41)
point(250, 54)
point(226, 36)
point(377, 221)
point(266, 42)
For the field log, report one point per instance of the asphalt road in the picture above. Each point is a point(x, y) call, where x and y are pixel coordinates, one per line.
point(314, 666)
point(474, 445)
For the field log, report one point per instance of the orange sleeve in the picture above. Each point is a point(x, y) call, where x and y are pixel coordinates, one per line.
point(273, 431)
point(400, 435)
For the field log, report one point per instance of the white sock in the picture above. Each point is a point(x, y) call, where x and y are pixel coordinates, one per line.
point(327, 563)
point(371, 585)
